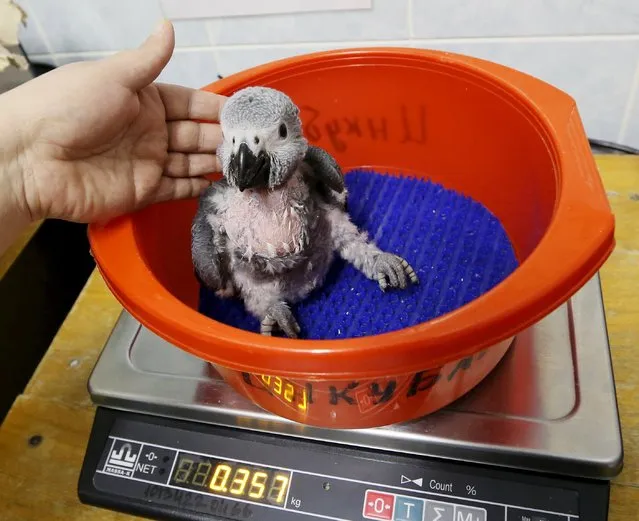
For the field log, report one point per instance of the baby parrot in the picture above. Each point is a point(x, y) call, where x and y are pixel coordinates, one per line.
point(268, 231)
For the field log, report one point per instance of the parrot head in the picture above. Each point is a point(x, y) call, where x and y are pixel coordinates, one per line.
point(262, 138)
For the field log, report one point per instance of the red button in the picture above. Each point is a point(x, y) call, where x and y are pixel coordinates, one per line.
point(379, 505)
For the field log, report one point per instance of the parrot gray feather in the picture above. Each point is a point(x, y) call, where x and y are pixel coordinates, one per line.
point(324, 176)
point(208, 243)
point(268, 232)
point(324, 168)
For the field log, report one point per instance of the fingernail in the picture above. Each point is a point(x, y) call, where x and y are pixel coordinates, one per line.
point(159, 27)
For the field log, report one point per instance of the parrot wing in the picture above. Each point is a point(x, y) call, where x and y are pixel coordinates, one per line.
point(324, 168)
point(325, 176)
point(208, 252)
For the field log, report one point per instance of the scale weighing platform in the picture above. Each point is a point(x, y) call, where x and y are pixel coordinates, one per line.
point(171, 440)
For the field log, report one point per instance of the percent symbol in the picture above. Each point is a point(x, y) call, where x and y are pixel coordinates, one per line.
point(471, 490)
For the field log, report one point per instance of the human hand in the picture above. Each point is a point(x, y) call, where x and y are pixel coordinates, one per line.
point(94, 140)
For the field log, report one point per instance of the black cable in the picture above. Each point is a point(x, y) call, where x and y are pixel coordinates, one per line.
point(598, 143)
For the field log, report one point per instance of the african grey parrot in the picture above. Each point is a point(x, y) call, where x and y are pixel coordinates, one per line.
point(268, 230)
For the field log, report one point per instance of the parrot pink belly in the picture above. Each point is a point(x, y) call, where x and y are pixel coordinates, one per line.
point(266, 224)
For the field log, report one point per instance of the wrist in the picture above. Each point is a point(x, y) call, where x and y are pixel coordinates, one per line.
point(14, 210)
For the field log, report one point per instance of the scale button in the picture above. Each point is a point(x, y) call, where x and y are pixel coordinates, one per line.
point(464, 513)
point(439, 511)
point(408, 509)
point(379, 505)
point(517, 514)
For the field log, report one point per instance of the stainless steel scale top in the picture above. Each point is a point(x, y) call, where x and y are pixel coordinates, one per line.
point(566, 422)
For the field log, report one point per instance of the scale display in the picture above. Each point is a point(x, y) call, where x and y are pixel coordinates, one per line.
point(231, 479)
point(164, 469)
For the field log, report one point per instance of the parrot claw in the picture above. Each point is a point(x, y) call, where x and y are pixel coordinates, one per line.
point(394, 271)
point(280, 315)
point(266, 327)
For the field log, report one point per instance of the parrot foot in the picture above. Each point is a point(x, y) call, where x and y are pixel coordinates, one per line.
point(394, 271)
point(280, 315)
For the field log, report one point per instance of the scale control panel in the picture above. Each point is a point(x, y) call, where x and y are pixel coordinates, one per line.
point(162, 469)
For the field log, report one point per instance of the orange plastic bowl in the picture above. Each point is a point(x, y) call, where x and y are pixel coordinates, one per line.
point(506, 139)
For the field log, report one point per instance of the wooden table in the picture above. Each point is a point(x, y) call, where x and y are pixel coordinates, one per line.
point(43, 439)
point(9, 256)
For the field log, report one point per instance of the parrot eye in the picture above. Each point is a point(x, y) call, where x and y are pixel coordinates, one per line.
point(233, 141)
point(283, 131)
point(257, 140)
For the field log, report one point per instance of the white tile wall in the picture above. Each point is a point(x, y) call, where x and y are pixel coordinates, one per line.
point(95, 25)
point(589, 48)
point(630, 126)
point(490, 18)
point(31, 34)
point(192, 68)
point(598, 74)
point(191, 33)
point(388, 20)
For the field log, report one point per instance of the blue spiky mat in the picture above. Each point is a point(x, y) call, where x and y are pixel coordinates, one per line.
point(458, 249)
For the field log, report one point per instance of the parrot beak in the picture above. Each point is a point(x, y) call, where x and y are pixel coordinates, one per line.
point(252, 171)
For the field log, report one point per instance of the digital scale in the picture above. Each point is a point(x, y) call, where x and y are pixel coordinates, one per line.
point(172, 441)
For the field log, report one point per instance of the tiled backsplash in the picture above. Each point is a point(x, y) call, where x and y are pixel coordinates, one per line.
point(589, 48)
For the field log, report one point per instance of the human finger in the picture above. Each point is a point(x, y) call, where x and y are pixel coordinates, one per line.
point(191, 165)
point(190, 136)
point(175, 189)
point(186, 103)
point(137, 68)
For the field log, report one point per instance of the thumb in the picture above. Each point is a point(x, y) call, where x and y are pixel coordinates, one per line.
point(137, 68)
